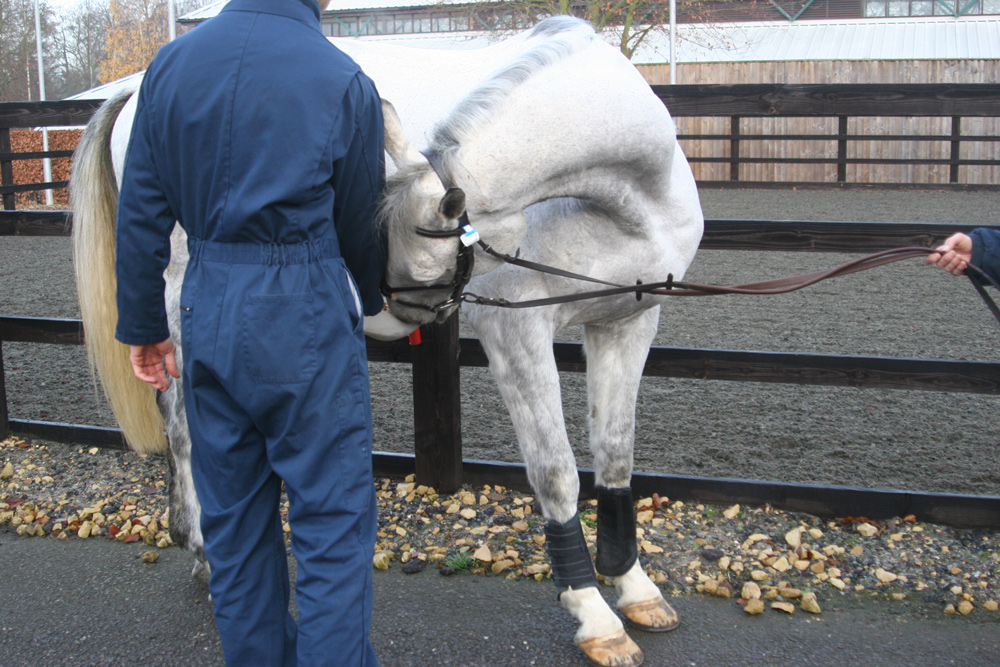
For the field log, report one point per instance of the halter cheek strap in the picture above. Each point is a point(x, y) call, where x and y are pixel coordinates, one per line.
point(464, 263)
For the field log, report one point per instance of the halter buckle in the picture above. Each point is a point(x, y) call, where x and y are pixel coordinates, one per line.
point(469, 235)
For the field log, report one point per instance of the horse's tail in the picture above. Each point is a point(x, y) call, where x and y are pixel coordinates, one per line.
point(94, 200)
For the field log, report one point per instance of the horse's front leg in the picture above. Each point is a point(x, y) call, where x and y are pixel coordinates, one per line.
point(521, 360)
point(616, 353)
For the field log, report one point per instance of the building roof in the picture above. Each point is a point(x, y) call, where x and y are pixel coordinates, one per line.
point(203, 13)
point(109, 90)
point(210, 10)
point(931, 38)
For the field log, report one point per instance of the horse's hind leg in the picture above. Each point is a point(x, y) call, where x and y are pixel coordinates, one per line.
point(616, 353)
point(521, 360)
point(185, 509)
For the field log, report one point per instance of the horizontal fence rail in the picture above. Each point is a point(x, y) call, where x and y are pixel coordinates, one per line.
point(36, 223)
point(976, 377)
point(61, 113)
point(772, 100)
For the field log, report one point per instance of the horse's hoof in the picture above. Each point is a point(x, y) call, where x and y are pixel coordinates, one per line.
point(201, 572)
point(652, 615)
point(614, 650)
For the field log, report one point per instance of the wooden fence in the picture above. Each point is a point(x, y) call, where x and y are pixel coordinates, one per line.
point(31, 115)
point(437, 458)
point(891, 135)
point(814, 129)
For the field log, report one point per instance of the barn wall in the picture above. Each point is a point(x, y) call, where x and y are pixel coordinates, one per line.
point(844, 71)
point(937, 71)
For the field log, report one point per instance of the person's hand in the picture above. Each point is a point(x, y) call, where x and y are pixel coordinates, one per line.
point(954, 255)
point(148, 362)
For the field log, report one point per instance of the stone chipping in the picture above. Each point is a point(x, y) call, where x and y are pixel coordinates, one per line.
point(760, 558)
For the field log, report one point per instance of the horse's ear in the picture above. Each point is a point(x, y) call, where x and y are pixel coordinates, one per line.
point(452, 204)
point(396, 143)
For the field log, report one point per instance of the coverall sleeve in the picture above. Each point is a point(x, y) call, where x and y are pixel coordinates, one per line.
point(145, 221)
point(986, 251)
point(358, 178)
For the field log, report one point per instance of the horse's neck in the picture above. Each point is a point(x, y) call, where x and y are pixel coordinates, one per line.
point(557, 135)
point(425, 84)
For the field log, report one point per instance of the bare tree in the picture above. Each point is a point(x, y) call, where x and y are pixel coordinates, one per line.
point(78, 47)
point(630, 22)
point(18, 64)
point(84, 45)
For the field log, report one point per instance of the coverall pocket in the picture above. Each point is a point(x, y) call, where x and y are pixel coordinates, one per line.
point(279, 338)
point(355, 300)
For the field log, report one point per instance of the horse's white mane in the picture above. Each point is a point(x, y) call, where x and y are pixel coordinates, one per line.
point(564, 36)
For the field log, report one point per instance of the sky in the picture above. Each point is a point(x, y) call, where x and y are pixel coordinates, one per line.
point(60, 5)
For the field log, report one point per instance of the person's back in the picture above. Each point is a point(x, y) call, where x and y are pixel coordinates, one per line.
point(245, 109)
point(265, 143)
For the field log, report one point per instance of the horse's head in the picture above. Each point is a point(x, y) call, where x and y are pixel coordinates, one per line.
point(427, 264)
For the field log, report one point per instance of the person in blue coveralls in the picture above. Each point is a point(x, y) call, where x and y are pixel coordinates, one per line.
point(266, 144)
point(980, 247)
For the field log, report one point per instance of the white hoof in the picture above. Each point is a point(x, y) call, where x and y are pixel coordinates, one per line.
point(614, 650)
point(201, 571)
point(641, 602)
point(652, 615)
point(601, 635)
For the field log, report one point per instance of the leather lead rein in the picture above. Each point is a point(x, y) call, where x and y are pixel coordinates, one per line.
point(669, 287)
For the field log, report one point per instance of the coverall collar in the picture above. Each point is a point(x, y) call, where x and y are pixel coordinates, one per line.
point(306, 11)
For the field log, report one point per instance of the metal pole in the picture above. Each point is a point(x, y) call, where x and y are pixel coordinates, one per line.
point(46, 162)
point(673, 42)
point(171, 20)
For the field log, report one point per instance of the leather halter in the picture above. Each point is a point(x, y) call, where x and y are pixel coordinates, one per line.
point(464, 263)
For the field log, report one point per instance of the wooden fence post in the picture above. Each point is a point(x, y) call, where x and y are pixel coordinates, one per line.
point(4, 417)
point(842, 126)
point(437, 412)
point(734, 148)
point(7, 170)
point(956, 148)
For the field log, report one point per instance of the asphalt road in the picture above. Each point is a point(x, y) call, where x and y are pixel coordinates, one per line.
point(93, 603)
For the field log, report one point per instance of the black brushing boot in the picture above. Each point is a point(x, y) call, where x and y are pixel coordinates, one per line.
point(616, 546)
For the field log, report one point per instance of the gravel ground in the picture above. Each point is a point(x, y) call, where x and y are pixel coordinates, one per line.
point(892, 439)
point(55, 492)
